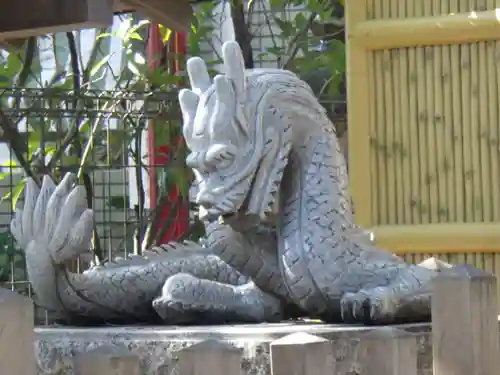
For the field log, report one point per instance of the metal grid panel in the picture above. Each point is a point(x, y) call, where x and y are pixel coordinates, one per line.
point(266, 32)
point(112, 118)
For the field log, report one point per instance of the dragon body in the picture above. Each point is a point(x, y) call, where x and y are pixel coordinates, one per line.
point(281, 237)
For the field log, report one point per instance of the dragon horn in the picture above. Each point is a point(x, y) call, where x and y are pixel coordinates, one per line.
point(198, 75)
point(224, 93)
point(188, 101)
point(223, 90)
point(235, 67)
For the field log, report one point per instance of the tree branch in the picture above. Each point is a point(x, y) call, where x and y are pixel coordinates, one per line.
point(29, 56)
point(294, 45)
point(16, 144)
point(74, 136)
point(241, 32)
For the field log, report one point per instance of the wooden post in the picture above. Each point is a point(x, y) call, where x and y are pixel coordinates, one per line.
point(389, 351)
point(302, 354)
point(209, 358)
point(16, 334)
point(465, 322)
point(107, 360)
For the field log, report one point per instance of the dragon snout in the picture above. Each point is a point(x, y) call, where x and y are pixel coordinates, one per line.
point(205, 199)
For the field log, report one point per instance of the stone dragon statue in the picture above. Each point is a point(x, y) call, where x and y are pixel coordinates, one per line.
point(281, 240)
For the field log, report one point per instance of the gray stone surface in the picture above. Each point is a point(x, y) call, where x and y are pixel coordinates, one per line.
point(56, 348)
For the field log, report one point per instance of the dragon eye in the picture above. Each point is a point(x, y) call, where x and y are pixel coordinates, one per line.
point(220, 155)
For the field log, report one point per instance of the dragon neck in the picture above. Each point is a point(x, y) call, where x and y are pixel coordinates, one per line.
point(320, 171)
point(313, 240)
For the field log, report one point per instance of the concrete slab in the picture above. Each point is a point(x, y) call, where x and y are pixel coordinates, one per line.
point(55, 348)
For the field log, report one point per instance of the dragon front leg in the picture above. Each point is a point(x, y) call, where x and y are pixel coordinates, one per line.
point(186, 298)
point(406, 298)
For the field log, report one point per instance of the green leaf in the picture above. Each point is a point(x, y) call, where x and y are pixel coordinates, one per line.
point(97, 67)
point(50, 150)
point(275, 4)
point(17, 192)
point(85, 127)
point(287, 28)
point(161, 77)
point(194, 45)
point(119, 202)
point(204, 30)
point(71, 161)
point(14, 64)
point(317, 6)
point(165, 34)
point(206, 10)
point(300, 20)
point(138, 25)
point(105, 35)
point(4, 175)
point(178, 176)
point(276, 51)
point(33, 143)
point(262, 55)
point(4, 81)
point(65, 84)
point(135, 36)
point(123, 29)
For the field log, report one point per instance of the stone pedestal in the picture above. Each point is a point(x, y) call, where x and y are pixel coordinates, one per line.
point(157, 347)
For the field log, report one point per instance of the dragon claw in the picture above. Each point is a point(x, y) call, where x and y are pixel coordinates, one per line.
point(366, 307)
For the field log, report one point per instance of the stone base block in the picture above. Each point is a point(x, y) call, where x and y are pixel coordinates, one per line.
point(156, 347)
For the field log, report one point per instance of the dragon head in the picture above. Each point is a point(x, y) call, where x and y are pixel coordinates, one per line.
point(239, 134)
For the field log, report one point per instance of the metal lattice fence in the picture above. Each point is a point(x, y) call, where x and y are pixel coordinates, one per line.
point(98, 135)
